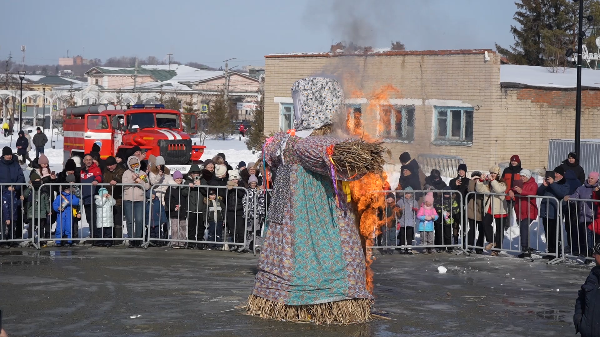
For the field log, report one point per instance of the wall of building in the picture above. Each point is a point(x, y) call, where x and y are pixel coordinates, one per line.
point(506, 121)
point(236, 84)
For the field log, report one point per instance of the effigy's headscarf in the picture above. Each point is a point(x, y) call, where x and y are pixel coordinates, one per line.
point(316, 100)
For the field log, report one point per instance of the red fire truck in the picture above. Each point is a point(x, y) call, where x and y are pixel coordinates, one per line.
point(114, 128)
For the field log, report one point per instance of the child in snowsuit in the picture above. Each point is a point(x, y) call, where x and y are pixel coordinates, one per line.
point(214, 217)
point(427, 215)
point(63, 205)
point(447, 207)
point(104, 216)
point(389, 217)
point(406, 226)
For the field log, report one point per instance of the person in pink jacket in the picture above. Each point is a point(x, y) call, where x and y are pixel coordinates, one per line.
point(427, 215)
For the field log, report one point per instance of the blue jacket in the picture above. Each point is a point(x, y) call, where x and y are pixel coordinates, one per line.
point(11, 173)
point(571, 179)
point(65, 217)
point(23, 143)
point(10, 206)
point(558, 190)
point(587, 316)
point(584, 208)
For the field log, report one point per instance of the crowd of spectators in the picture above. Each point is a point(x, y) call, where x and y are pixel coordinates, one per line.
point(209, 203)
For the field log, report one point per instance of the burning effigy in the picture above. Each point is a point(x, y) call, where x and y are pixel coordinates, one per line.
point(312, 266)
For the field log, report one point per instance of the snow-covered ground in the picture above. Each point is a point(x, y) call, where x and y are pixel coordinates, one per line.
point(233, 148)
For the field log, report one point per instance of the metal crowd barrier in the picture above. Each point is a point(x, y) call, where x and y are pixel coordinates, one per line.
point(199, 227)
point(397, 227)
point(260, 214)
point(13, 216)
point(579, 216)
point(481, 231)
point(104, 219)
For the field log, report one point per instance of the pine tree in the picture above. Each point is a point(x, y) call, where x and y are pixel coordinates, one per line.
point(547, 28)
point(256, 133)
point(219, 122)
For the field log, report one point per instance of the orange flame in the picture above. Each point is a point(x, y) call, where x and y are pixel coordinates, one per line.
point(369, 202)
point(377, 111)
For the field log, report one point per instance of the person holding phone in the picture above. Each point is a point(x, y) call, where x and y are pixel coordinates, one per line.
point(460, 184)
point(197, 209)
point(554, 186)
point(494, 203)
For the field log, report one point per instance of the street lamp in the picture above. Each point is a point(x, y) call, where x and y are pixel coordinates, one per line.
point(21, 77)
point(43, 110)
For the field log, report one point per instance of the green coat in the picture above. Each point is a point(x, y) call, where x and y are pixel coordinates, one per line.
point(42, 199)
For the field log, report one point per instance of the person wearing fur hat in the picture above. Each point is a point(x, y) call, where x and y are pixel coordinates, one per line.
point(526, 208)
point(134, 198)
point(234, 224)
point(427, 215)
point(495, 210)
point(39, 141)
point(554, 186)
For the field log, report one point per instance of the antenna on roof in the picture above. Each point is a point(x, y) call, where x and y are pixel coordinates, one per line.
point(23, 62)
point(169, 55)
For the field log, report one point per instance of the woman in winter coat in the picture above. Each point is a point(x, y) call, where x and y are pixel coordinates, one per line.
point(176, 204)
point(474, 211)
point(495, 209)
point(526, 208)
point(38, 200)
point(104, 216)
point(582, 214)
point(554, 188)
point(510, 175)
point(235, 224)
point(134, 198)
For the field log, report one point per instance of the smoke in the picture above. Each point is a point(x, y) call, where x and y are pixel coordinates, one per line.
point(361, 22)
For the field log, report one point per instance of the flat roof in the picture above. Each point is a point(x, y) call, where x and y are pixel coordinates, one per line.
point(387, 53)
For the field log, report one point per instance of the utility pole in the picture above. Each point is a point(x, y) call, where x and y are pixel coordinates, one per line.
point(135, 74)
point(578, 97)
point(227, 81)
point(169, 55)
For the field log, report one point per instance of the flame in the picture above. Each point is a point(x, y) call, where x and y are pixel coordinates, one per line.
point(379, 110)
point(368, 202)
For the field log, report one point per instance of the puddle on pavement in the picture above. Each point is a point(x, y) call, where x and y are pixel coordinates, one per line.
point(553, 315)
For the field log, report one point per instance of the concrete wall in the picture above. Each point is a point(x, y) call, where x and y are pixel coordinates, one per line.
point(507, 121)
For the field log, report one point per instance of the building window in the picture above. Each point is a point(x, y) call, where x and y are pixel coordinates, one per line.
point(397, 123)
point(453, 125)
point(354, 121)
point(286, 116)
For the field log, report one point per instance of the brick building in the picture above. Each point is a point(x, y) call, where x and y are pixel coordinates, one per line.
point(449, 102)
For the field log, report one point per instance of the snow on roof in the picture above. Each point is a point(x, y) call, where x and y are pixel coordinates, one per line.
point(166, 85)
point(544, 77)
point(186, 73)
point(75, 86)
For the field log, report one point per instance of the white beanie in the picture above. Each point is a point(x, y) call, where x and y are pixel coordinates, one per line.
point(220, 170)
point(525, 173)
point(234, 174)
point(160, 160)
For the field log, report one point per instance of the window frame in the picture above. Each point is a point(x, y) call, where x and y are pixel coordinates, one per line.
point(462, 140)
point(282, 107)
point(404, 111)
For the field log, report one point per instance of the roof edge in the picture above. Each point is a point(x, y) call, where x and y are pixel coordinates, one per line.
point(389, 53)
point(516, 85)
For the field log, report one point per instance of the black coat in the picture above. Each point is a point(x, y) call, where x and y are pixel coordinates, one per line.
point(177, 195)
point(587, 316)
point(576, 168)
point(23, 143)
point(438, 184)
point(463, 188)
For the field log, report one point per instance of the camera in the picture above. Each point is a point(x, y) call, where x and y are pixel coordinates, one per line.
point(196, 178)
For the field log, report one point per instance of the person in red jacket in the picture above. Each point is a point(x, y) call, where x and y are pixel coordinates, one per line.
point(242, 130)
point(90, 174)
point(525, 207)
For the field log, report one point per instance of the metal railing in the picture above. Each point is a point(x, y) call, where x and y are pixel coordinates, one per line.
point(582, 227)
point(260, 217)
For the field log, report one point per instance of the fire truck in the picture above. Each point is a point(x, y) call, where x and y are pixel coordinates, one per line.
point(119, 128)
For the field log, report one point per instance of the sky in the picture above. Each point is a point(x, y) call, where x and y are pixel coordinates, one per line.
point(209, 31)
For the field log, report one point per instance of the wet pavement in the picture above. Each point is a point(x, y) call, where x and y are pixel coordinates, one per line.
point(83, 291)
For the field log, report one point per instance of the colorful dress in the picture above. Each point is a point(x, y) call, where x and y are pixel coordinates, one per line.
point(312, 266)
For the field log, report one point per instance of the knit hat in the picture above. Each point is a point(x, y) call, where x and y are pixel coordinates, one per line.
point(212, 191)
point(476, 174)
point(70, 165)
point(21, 133)
point(220, 170)
point(195, 169)
point(408, 189)
point(234, 174)
point(102, 191)
point(572, 155)
point(435, 173)
point(110, 161)
point(77, 161)
point(429, 197)
point(495, 169)
point(241, 164)
point(135, 149)
point(43, 159)
point(515, 158)
point(160, 160)
point(38, 129)
point(463, 167)
point(6, 151)
point(252, 179)
point(559, 170)
point(525, 173)
point(177, 175)
point(594, 175)
point(95, 148)
point(405, 157)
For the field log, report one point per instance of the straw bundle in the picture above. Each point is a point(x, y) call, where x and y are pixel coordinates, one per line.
point(340, 312)
point(357, 157)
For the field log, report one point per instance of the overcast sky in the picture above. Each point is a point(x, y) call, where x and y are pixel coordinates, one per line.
point(210, 31)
